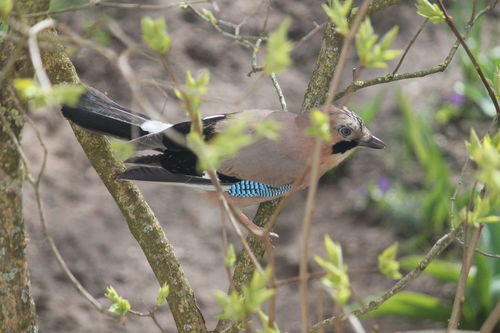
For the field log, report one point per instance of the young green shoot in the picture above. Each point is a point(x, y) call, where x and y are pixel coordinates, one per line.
point(154, 34)
point(430, 11)
point(338, 13)
point(387, 263)
point(372, 54)
point(120, 305)
point(336, 279)
point(277, 57)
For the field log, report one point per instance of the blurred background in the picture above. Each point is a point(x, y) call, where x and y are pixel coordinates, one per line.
point(401, 194)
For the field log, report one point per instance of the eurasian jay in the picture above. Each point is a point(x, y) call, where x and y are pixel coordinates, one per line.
point(261, 171)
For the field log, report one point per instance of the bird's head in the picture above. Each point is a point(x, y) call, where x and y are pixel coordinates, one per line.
point(349, 131)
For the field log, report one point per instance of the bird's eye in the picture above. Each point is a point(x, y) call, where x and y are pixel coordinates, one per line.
point(345, 131)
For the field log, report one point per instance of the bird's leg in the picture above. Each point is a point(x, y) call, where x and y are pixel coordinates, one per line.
point(255, 229)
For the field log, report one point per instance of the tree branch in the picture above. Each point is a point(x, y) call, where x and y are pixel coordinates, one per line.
point(141, 221)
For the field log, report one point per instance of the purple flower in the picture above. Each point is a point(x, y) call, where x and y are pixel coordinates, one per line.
point(384, 184)
point(456, 99)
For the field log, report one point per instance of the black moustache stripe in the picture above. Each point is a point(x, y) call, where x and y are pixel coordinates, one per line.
point(343, 146)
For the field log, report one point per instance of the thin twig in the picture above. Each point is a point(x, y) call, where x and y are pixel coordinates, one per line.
point(464, 274)
point(335, 82)
point(306, 230)
point(412, 41)
point(436, 249)
point(421, 73)
point(478, 251)
point(279, 92)
point(478, 69)
point(492, 320)
point(314, 175)
point(34, 50)
point(317, 28)
point(98, 3)
point(35, 183)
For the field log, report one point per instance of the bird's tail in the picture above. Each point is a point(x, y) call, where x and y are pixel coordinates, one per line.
point(96, 112)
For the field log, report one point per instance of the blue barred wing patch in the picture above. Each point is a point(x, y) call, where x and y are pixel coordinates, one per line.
point(250, 189)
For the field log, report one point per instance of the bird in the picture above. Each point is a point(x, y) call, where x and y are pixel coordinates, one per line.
point(261, 171)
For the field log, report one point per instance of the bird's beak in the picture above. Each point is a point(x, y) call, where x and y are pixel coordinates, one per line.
point(373, 142)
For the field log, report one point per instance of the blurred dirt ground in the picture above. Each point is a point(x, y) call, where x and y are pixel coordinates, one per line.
point(93, 236)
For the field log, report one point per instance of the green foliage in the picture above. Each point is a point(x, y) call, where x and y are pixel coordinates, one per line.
point(120, 305)
point(277, 57)
point(487, 54)
point(5, 7)
point(235, 136)
point(193, 89)
point(265, 324)
point(230, 257)
point(122, 149)
point(154, 34)
point(209, 15)
point(225, 144)
point(162, 295)
point(338, 13)
point(237, 306)
point(487, 157)
point(414, 305)
point(336, 280)
point(387, 263)
point(372, 54)
point(430, 11)
point(441, 270)
point(269, 129)
point(59, 94)
point(495, 83)
point(319, 125)
point(482, 292)
point(419, 137)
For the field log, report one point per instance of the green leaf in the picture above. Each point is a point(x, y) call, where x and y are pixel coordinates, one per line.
point(372, 55)
point(209, 15)
point(319, 126)
point(120, 305)
point(430, 11)
point(336, 280)
point(5, 7)
point(269, 129)
point(339, 13)
point(230, 257)
point(154, 34)
point(122, 149)
point(265, 324)
point(162, 295)
point(414, 305)
point(387, 263)
point(226, 143)
point(58, 94)
point(440, 269)
point(277, 57)
point(191, 93)
point(236, 306)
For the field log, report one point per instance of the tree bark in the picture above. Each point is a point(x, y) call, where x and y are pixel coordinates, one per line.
point(141, 220)
point(315, 95)
point(17, 308)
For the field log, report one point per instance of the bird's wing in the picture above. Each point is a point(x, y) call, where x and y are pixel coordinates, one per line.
point(274, 162)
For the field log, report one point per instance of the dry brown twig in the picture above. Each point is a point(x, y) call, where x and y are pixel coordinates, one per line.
point(314, 175)
point(478, 69)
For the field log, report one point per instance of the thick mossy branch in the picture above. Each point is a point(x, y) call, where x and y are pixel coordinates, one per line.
point(315, 95)
point(17, 309)
point(140, 218)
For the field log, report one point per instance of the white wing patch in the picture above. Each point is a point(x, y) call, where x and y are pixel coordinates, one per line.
point(154, 126)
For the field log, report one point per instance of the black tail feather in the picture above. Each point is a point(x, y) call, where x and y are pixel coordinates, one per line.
point(96, 112)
